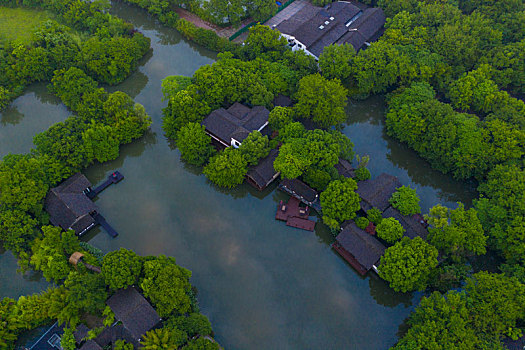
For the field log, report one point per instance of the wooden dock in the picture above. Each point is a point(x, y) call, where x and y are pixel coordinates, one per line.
point(113, 178)
point(294, 215)
point(99, 219)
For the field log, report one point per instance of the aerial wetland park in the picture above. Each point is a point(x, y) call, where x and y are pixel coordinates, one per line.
point(261, 174)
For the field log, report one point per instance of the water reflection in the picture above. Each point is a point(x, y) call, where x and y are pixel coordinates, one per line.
point(384, 295)
point(14, 284)
point(11, 116)
point(366, 130)
point(29, 114)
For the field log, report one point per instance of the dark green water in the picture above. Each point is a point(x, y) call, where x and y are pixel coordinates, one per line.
point(262, 284)
point(28, 115)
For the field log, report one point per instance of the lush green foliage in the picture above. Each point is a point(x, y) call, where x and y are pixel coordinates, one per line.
point(193, 324)
point(227, 168)
point(163, 338)
point(121, 268)
point(167, 285)
point(339, 202)
point(457, 231)
point(255, 147)
point(390, 230)
point(362, 222)
point(408, 264)
point(335, 61)
point(194, 144)
point(321, 100)
point(405, 200)
point(374, 215)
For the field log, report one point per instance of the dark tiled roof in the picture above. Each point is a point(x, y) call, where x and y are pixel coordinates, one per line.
point(90, 345)
point(81, 333)
point(75, 184)
point(377, 192)
point(282, 101)
point(263, 173)
point(365, 248)
point(306, 25)
point(52, 334)
point(412, 227)
point(300, 188)
point(112, 334)
point(134, 311)
point(236, 122)
point(67, 205)
point(344, 168)
point(518, 344)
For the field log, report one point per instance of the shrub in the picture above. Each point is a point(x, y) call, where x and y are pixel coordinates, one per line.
point(390, 230)
point(405, 200)
point(374, 215)
point(362, 174)
point(362, 222)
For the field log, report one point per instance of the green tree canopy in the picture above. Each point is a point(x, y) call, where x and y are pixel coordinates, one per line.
point(194, 144)
point(456, 231)
point(173, 84)
point(227, 168)
point(85, 293)
point(336, 61)
point(167, 285)
point(280, 117)
point(121, 268)
point(339, 202)
point(321, 100)
point(408, 264)
point(255, 147)
point(406, 200)
point(390, 230)
point(163, 338)
point(52, 251)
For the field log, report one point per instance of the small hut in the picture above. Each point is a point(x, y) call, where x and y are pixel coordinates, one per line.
point(263, 174)
point(69, 207)
point(412, 226)
point(344, 168)
point(77, 257)
point(358, 248)
point(300, 190)
point(377, 192)
point(134, 311)
point(91, 345)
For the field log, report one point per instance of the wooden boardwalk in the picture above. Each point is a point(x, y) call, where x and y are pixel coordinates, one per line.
point(113, 178)
point(99, 219)
point(294, 215)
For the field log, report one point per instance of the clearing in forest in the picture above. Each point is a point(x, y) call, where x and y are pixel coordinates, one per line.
point(19, 23)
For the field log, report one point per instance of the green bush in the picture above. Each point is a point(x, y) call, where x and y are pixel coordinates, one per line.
point(362, 222)
point(390, 230)
point(362, 174)
point(375, 216)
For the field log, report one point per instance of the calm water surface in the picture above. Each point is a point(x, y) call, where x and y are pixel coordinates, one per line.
point(262, 284)
point(28, 115)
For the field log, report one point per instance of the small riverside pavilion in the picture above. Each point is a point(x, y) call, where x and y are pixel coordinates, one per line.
point(263, 174)
point(358, 248)
point(69, 205)
point(377, 192)
point(229, 127)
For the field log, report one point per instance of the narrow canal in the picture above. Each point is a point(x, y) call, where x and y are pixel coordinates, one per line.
point(262, 284)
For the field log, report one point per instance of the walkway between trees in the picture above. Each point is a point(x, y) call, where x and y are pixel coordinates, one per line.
point(199, 22)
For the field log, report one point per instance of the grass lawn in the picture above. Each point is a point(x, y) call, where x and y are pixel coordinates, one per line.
point(19, 23)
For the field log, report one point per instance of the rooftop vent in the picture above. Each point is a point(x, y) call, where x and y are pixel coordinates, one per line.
point(326, 22)
point(321, 27)
point(331, 18)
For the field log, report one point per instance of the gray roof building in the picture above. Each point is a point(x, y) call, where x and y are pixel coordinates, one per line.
point(313, 28)
point(263, 174)
point(231, 126)
point(359, 248)
point(413, 227)
point(134, 311)
point(377, 192)
point(68, 206)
